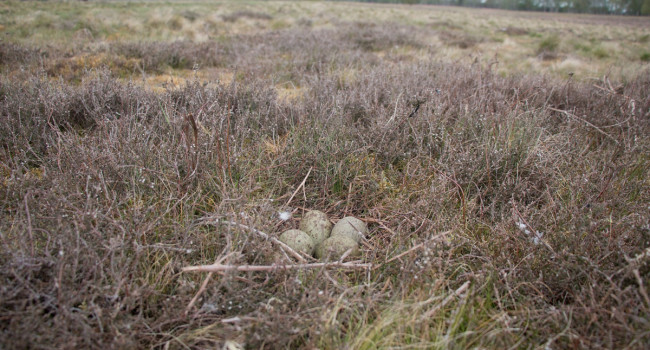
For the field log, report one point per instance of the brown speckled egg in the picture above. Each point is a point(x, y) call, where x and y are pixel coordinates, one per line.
point(316, 224)
point(351, 227)
point(334, 247)
point(298, 241)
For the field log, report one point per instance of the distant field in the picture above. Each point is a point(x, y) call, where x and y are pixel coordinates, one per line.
point(500, 160)
point(92, 34)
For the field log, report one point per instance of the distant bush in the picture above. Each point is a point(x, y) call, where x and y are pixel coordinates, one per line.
point(156, 56)
point(12, 53)
point(190, 15)
point(246, 14)
point(645, 57)
point(459, 39)
point(548, 46)
point(514, 30)
point(601, 52)
point(371, 37)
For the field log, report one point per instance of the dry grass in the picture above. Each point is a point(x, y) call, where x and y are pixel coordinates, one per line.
point(505, 209)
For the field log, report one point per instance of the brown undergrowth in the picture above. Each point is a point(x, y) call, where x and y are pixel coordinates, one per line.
point(503, 211)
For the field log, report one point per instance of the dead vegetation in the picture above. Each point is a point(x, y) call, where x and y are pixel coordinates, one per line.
point(503, 211)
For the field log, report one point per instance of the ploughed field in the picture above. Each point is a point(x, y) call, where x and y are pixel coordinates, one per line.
point(499, 160)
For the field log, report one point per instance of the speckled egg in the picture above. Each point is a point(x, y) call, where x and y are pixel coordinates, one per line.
point(334, 247)
point(351, 227)
point(298, 241)
point(316, 224)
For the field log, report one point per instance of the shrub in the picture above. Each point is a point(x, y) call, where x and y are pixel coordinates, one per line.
point(601, 52)
point(548, 44)
point(246, 14)
point(547, 48)
point(645, 57)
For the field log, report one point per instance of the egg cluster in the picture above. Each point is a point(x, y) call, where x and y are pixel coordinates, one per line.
point(318, 237)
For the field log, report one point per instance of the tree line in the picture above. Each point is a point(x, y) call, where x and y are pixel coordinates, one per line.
point(619, 7)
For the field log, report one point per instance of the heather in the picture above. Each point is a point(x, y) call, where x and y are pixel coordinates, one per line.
point(505, 192)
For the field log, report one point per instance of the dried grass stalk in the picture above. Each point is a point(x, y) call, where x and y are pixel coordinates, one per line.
point(270, 268)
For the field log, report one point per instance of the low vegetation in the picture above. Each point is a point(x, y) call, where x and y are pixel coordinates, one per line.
point(507, 201)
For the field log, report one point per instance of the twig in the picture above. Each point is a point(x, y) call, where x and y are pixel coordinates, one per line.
point(381, 224)
point(456, 293)
point(345, 255)
point(275, 267)
point(609, 181)
point(609, 90)
point(534, 231)
point(212, 221)
point(568, 114)
point(641, 286)
point(29, 223)
point(416, 247)
point(301, 185)
point(639, 257)
point(395, 111)
point(461, 193)
point(228, 142)
point(191, 146)
point(203, 287)
point(160, 246)
point(347, 201)
point(418, 103)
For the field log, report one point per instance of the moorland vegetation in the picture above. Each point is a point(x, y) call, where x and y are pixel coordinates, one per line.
point(500, 162)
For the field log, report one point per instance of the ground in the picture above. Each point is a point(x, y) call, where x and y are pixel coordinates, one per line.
point(499, 159)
